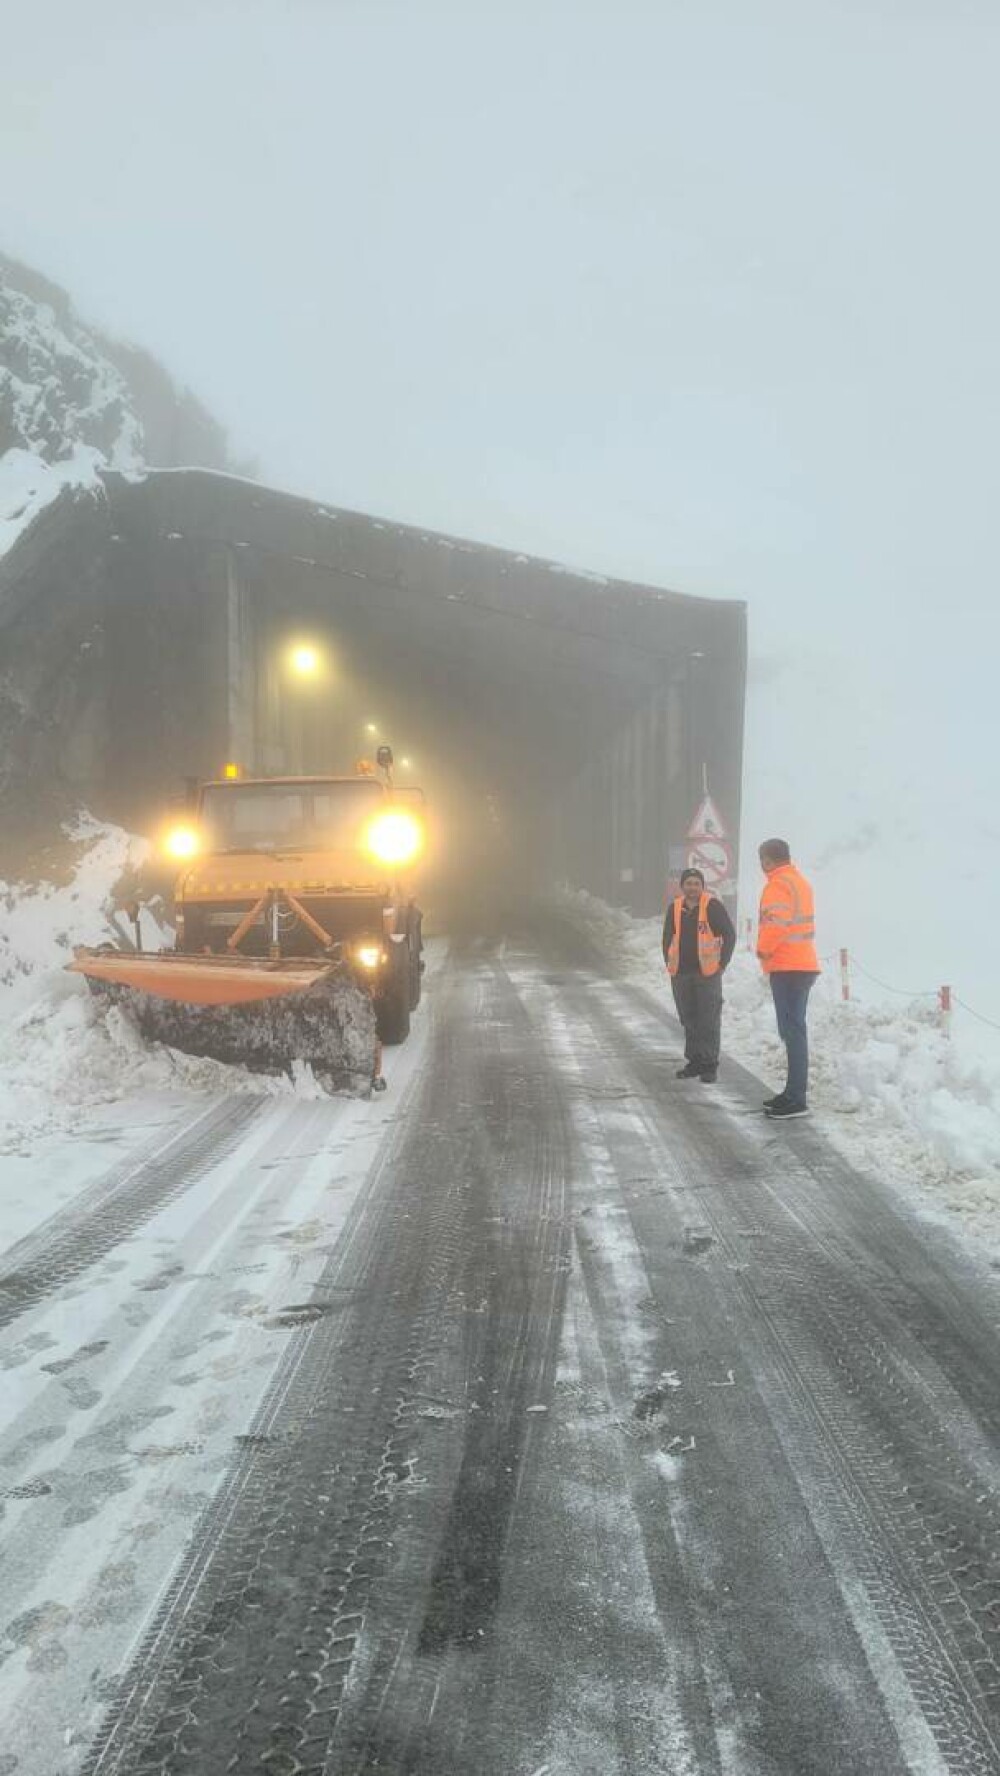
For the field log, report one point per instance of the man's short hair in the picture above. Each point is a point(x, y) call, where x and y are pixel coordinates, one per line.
point(776, 851)
point(692, 872)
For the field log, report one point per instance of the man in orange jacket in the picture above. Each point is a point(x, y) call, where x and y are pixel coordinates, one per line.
point(786, 946)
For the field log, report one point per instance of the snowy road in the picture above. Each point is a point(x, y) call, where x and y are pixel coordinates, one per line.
point(549, 1414)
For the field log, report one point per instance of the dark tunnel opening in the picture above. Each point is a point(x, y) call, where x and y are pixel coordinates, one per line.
point(564, 726)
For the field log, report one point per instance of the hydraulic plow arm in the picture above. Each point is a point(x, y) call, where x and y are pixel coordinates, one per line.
point(270, 904)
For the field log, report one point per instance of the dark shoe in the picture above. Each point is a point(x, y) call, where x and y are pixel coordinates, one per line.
point(688, 1071)
point(709, 1075)
point(772, 1103)
point(784, 1112)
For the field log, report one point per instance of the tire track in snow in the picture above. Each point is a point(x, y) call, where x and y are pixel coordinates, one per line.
point(100, 1494)
point(116, 1205)
point(898, 1476)
point(448, 1273)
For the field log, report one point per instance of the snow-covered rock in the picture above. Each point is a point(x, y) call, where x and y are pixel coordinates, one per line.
point(28, 484)
point(73, 402)
point(58, 390)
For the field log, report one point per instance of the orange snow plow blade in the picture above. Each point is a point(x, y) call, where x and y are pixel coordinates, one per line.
point(201, 980)
point(270, 1016)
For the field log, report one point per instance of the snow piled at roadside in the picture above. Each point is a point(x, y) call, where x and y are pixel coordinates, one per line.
point(60, 1054)
point(888, 1086)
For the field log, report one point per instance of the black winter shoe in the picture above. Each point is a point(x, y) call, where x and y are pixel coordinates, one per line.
point(772, 1103)
point(688, 1071)
point(784, 1112)
point(709, 1075)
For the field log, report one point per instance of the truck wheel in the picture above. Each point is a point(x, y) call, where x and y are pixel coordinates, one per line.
point(392, 1010)
point(416, 966)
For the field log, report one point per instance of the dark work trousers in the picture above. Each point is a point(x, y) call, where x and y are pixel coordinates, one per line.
point(698, 998)
point(790, 989)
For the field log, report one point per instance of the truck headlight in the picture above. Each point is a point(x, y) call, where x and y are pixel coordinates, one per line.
point(181, 842)
point(368, 956)
point(394, 838)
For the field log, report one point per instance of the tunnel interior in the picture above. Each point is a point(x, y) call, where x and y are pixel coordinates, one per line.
point(563, 726)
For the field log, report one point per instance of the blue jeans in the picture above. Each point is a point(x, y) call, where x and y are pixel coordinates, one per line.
point(790, 989)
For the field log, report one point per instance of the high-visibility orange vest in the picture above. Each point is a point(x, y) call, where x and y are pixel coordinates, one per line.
point(709, 946)
point(786, 935)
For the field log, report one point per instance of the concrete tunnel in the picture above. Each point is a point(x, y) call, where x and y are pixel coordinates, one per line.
point(563, 725)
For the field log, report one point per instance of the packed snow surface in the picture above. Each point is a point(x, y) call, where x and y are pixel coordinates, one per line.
point(889, 1083)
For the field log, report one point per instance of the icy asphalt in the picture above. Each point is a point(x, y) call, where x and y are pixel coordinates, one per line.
point(548, 1415)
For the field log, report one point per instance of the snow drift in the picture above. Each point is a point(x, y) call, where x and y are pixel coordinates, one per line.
point(59, 1054)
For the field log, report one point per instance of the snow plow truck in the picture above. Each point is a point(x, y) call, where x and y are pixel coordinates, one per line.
point(298, 934)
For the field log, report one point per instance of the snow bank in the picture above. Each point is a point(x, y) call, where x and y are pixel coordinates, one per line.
point(60, 1054)
point(887, 1084)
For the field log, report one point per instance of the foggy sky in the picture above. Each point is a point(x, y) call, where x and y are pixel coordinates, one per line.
point(699, 291)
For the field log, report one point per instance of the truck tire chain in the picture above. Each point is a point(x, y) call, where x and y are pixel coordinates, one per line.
point(136, 1190)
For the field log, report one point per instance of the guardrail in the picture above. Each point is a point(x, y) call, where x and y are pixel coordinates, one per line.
point(847, 962)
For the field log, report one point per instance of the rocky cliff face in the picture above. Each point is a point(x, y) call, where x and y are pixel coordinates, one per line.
point(73, 405)
point(66, 388)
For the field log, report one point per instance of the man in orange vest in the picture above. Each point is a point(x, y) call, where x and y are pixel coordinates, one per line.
point(698, 941)
point(786, 946)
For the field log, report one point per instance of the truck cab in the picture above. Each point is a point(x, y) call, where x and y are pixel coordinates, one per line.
point(307, 866)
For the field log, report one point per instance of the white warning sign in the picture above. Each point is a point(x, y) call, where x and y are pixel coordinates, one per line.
point(707, 823)
point(712, 857)
point(708, 847)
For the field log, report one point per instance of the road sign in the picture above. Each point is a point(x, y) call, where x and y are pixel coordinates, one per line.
point(707, 823)
point(711, 856)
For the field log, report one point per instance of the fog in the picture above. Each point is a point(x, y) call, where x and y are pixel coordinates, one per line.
point(699, 294)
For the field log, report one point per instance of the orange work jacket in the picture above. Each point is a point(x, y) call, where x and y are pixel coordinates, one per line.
point(786, 935)
point(709, 946)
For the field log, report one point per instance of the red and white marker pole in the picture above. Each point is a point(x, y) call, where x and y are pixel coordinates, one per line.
point(845, 977)
point(944, 1002)
point(750, 935)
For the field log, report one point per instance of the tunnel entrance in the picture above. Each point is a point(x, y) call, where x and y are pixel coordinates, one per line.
point(565, 723)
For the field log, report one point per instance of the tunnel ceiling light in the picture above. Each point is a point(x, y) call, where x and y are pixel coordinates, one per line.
point(371, 727)
point(305, 659)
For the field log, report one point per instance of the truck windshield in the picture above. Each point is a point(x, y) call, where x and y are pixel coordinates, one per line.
point(286, 816)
